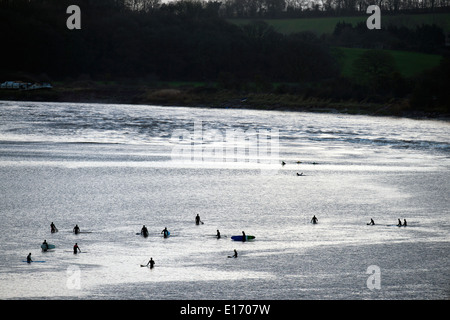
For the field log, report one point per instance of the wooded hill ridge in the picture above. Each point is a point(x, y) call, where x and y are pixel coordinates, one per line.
point(152, 42)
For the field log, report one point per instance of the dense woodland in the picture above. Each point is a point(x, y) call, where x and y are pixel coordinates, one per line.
point(191, 41)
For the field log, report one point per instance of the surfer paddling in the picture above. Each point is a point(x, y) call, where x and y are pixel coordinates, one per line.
point(235, 255)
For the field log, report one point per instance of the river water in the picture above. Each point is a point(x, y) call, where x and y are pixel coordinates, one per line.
point(111, 169)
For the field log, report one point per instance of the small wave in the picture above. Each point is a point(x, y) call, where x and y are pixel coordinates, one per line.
point(382, 141)
point(90, 142)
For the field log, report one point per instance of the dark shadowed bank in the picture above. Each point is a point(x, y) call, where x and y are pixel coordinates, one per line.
point(187, 53)
point(209, 96)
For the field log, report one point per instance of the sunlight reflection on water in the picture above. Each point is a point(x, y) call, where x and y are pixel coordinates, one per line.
point(109, 169)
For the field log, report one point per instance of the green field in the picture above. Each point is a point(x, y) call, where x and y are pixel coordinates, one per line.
point(408, 63)
point(326, 25)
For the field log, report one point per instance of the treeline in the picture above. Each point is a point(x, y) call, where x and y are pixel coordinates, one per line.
point(321, 8)
point(258, 9)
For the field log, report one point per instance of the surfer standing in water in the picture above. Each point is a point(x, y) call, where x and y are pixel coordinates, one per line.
point(53, 228)
point(29, 258)
point(197, 220)
point(144, 231)
point(165, 232)
point(244, 237)
point(314, 220)
point(76, 249)
point(76, 229)
point(151, 263)
point(218, 234)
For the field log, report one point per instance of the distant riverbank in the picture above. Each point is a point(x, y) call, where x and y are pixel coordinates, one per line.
point(204, 95)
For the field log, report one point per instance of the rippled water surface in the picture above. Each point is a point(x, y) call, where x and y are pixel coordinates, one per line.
point(113, 168)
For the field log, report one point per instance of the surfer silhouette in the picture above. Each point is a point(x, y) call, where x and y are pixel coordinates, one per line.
point(45, 244)
point(235, 255)
point(151, 263)
point(399, 223)
point(218, 234)
point(76, 249)
point(371, 223)
point(404, 222)
point(197, 220)
point(165, 232)
point(244, 237)
point(53, 228)
point(314, 220)
point(144, 231)
point(29, 258)
point(76, 229)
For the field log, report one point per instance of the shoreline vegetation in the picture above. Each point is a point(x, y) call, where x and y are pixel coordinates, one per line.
point(202, 53)
point(207, 95)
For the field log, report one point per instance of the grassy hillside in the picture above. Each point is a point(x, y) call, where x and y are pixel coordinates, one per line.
point(326, 25)
point(408, 63)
